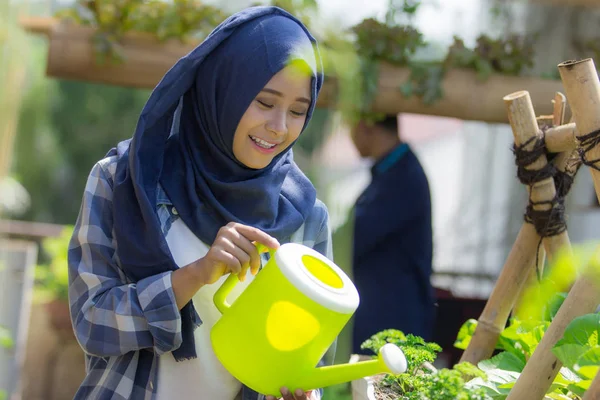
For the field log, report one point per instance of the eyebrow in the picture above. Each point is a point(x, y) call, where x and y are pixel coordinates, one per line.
point(277, 93)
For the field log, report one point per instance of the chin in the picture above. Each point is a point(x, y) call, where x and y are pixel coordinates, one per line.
point(257, 164)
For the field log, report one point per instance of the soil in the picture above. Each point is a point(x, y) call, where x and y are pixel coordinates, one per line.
point(383, 392)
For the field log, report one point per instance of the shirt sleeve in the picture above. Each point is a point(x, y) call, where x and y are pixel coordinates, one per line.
point(110, 315)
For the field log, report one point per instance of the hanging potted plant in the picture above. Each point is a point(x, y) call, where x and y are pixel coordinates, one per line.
point(147, 38)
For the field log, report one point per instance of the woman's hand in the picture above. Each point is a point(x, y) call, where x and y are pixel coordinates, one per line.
point(298, 394)
point(233, 252)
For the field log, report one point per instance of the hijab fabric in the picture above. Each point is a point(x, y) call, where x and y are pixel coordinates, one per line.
point(184, 141)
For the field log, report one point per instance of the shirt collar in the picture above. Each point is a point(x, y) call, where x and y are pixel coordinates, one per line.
point(390, 159)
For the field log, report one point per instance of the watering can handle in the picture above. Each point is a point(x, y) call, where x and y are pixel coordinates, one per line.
point(220, 296)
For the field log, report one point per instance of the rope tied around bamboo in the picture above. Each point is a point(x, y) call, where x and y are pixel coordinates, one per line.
point(548, 221)
point(586, 143)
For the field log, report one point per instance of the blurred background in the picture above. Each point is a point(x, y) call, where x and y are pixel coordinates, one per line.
point(53, 130)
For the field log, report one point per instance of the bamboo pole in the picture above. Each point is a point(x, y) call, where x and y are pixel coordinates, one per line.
point(557, 119)
point(522, 258)
point(561, 138)
point(582, 88)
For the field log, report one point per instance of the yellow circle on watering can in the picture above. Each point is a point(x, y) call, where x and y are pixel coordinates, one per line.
point(322, 272)
point(290, 327)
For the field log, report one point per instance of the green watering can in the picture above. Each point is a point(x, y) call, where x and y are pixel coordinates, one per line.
point(279, 328)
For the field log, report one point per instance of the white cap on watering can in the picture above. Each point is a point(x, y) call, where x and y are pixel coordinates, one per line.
point(334, 291)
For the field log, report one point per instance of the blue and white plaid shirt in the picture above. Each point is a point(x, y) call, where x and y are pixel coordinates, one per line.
point(114, 319)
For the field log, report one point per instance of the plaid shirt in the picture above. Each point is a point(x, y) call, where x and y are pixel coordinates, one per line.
point(123, 326)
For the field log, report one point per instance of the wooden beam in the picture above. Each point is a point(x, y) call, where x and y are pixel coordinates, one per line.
point(29, 230)
point(38, 25)
point(71, 56)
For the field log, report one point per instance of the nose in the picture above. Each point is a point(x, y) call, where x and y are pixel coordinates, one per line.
point(277, 124)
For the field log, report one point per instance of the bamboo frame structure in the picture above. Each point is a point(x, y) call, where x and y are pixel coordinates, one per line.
point(561, 138)
point(519, 269)
point(582, 88)
point(71, 56)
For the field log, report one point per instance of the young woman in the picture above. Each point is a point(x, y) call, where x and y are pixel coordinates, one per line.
point(166, 215)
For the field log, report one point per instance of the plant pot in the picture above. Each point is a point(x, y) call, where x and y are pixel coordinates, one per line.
point(362, 389)
point(71, 55)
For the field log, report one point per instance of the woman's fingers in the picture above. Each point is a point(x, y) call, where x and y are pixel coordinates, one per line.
point(250, 249)
point(234, 247)
point(256, 235)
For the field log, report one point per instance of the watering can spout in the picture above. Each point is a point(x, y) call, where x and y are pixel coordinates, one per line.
point(389, 360)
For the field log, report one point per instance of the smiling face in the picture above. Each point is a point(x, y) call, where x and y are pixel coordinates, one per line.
point(274, 119)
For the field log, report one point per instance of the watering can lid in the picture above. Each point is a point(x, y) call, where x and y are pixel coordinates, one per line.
point(344, 300)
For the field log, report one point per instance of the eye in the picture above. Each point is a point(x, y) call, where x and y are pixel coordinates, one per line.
point(298, 113)
point(266, 105)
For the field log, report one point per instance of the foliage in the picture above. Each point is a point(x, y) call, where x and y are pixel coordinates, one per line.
point(180, 19)
point(422, 381)
point(52, 279)
point(379, 41)
point(394, 40)
point(416, 350)
point(508, 56)
point(578, 350)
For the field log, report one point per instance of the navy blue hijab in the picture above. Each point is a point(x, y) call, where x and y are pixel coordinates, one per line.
point(184, 140)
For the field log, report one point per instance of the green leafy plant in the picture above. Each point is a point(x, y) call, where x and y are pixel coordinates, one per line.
point(579, 350)
point(421, 380)
point(394, 40)
point(52, 278)
point(509, 55)
point(179, 19)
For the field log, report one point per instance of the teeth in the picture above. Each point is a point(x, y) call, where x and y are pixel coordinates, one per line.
point(262, 143)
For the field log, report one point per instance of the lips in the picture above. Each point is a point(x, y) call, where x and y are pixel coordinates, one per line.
point(263, 143)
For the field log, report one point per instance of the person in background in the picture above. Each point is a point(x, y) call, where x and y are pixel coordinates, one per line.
point(393, 243)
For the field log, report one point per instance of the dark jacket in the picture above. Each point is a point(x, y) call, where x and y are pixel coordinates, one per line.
point(393, 248)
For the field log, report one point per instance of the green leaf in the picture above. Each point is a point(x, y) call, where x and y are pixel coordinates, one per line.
point(580, 336)
point(554, 305)
point(498, 384)
point(406, 89)
point(504, 361)
point(523, 336)
point(569, 354)
point(580, 387)
point(6, 339)
point(465, 334)
point(582, 330)
point(588, 364)
point(557, 396)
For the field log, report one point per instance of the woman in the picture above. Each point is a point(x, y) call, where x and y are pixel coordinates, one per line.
point(166, 215)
